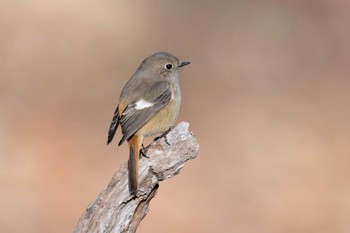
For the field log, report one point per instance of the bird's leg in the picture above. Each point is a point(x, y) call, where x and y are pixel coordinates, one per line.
point(143, 151)
point(164, 135)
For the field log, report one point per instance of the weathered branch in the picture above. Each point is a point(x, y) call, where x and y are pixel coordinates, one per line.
point(115, 210)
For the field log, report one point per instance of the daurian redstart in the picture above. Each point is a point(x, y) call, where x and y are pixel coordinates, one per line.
point(148, 105)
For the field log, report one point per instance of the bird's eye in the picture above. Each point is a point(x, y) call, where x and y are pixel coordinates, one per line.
point(168, 66)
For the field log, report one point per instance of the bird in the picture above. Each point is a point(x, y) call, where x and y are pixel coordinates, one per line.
point(148, 105)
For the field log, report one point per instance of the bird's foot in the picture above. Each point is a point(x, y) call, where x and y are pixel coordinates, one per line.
point(143, 152)
point(164, 136)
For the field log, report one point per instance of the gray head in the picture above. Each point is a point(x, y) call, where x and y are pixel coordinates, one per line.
point(163, 63)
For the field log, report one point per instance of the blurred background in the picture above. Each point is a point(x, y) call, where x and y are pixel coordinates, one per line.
point(267, 96)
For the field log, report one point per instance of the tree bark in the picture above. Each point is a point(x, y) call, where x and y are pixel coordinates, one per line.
point(115, 210)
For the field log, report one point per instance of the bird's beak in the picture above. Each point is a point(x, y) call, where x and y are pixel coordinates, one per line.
point(184, 63)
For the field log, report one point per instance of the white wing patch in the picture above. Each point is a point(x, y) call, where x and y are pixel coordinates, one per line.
point(141, 104)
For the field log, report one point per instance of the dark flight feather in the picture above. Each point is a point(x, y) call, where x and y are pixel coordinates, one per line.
point(114, 125)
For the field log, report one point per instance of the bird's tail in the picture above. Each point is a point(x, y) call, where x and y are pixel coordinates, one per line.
point(135, 143)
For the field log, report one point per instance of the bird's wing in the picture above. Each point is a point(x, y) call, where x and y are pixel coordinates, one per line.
point(139, 111)
point(114, 125)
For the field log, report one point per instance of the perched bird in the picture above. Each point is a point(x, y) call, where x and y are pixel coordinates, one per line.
point(148, 105)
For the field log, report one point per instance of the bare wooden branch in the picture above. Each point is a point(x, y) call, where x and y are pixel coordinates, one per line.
point(115, 210)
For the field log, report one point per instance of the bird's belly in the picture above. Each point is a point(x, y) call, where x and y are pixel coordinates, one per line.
point(162, 120)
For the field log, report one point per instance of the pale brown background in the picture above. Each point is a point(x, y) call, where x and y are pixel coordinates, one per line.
point(267, 95)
